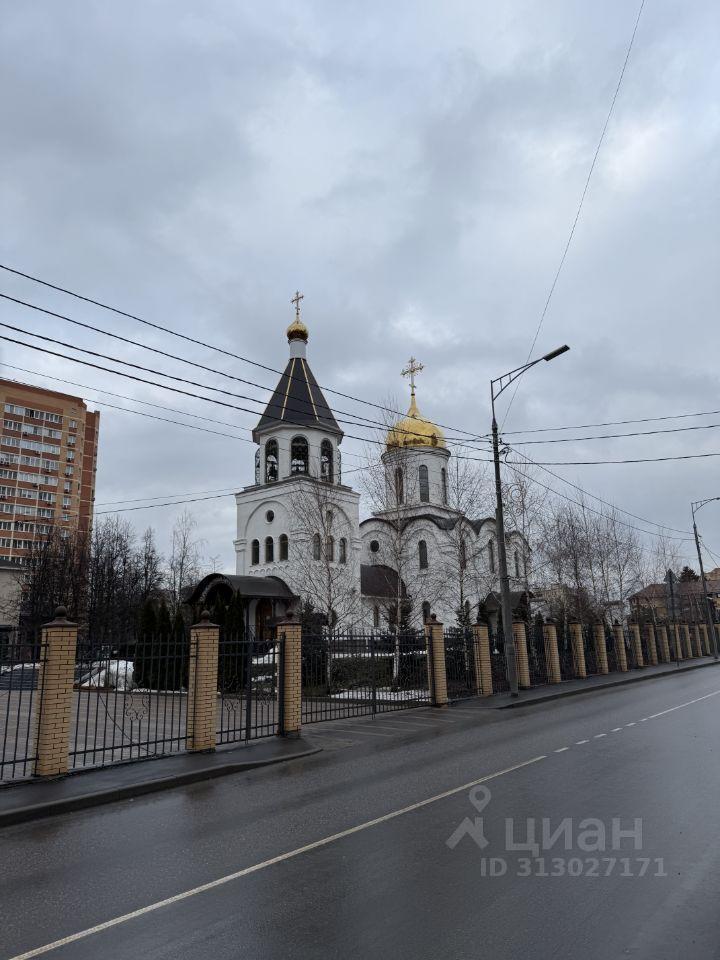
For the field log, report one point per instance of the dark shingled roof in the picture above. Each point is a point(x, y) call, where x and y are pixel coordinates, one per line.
point(250, 587)
point(377, 580)
point(297, 401)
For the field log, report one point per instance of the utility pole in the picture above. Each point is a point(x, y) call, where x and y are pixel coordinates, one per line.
point(496, 388)
point(709, 612)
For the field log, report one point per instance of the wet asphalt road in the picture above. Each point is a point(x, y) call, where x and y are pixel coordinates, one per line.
point(395, 888)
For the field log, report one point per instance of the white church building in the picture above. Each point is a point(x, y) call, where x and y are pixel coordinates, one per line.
point(299, 529)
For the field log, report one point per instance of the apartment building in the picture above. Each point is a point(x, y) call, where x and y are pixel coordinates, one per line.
point(48, 460)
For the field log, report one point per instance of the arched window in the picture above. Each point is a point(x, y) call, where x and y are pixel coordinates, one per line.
point(283, 546)
point(517, 564)
point(422, 555)
point(329, 548)
point(269, 550)
point(271, 461)
point(467, 611)
point(339, 467)
point(299, 455)
point(443, 484)
point(316, 547)
point(399, 486)
point(342, 556)
point(326, 461)
point(463, 553)
point(491, 555)
point(255, 553)
point(376, 616)
point(257, 466)
point(424, 483)
point(426, 611)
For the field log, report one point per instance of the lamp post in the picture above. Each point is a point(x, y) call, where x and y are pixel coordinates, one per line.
point(496, 388)
point(695, 506)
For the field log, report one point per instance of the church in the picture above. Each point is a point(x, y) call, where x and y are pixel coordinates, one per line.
point(300, 540)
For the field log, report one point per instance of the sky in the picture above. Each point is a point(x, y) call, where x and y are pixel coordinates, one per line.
point(414, 169)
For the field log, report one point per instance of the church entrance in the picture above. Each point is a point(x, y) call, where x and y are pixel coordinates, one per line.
point(263, 618)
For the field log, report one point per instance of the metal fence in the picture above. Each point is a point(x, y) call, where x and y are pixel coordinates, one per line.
point(498, 663)
point(21, 658)
point(248, 677)
point(349, 675)
point(537, 660)
point(460, 663)
point(129, 707)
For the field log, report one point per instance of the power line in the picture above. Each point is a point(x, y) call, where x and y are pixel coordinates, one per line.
point(582, 201)
point(614, 423)
point(189, 493)
point(169, 503)
point(615, 436)
point(182, 336)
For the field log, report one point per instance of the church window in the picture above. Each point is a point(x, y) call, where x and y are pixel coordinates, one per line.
point(425, 611)
point(255, 553)
point(423, 555)
point(329, 548)
point(491, 555)
point(283, 546)
point(270, 516)
point(376, 616)
point(257, 465)
point(463, 553)
point(399, 486)
point(316, 547)
point(424, 483)
point(517, 564)
point(339, 467)
point(374, 546)
point(342, 546)
point(271, 461)
point(299, 455)
point(269, 550)
point(443, 484)
point(326, 461)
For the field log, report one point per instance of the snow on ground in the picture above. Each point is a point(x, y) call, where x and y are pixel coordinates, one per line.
point(382, 693)
point(109, 674)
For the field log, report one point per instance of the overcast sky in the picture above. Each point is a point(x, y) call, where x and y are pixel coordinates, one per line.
point(414, 169)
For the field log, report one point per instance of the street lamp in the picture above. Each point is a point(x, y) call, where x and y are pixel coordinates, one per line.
point(709, 613)
point(496, 388)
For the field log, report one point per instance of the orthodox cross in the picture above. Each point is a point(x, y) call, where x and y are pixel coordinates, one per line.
point(414, 366)
point(296, 300)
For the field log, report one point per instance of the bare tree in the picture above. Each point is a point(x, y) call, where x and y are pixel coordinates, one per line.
point(184, 564)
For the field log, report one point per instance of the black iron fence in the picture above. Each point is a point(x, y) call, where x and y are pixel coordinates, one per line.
point(21, 657)
point(248, 677)
point(537, 661)
point(348, 674)
point(133, 706)
point(460, 663)
point(498, 663)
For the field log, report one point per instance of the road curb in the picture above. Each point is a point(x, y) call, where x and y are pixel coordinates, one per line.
point(51, 808)
point(597, 687)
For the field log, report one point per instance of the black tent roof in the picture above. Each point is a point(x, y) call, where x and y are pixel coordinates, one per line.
point(297, 401)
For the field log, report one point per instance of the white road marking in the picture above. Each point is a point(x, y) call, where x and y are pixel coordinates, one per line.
point(681, 705)
point(644, 719)
point(616, 730)
point(221, 881)
point(598, 735)
point(630, 724)
point(580, 742)
point(562, 749)
point(361, 729)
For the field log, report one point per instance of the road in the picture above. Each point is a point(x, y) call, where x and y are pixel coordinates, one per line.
point(346, 854)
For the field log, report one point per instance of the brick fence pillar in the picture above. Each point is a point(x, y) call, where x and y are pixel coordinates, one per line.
point(552, 658)
point(54, 703)
point(203, 685)
point(651, 645)
point(662, 643)
point(705, 640)
point(637, 644)
point(687, 642)
point(578, 648)
point(620, 651)
point(437, 678)
point(601, 648)
point(483, 668)
point(290, 678)
point(521, 655)
point(698, 641)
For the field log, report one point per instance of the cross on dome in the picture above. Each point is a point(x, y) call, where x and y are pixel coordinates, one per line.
point(414, 366)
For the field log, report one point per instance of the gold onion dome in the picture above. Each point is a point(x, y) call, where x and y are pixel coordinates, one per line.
point(297, 330)
point(415, 431)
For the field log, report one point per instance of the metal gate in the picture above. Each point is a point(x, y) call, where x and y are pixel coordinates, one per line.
point(460, 663)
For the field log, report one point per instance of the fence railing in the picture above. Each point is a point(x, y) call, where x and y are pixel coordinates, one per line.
point(21, 659)
point(350, 675)
point(248, 677)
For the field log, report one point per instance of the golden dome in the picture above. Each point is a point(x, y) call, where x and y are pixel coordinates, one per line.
point(415, 431)
point(297, 330)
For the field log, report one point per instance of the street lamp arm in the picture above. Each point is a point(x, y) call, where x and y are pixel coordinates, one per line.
point(507, 378)
point(698, 504)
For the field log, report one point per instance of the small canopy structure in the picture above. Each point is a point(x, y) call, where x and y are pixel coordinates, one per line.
point(266, 599)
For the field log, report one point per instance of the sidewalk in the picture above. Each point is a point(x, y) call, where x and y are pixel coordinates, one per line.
point(572, 688)
point(34, 799)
